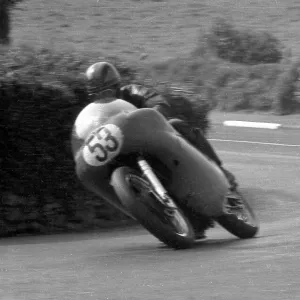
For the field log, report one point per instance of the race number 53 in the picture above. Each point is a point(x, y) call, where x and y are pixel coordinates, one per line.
point(103, 145)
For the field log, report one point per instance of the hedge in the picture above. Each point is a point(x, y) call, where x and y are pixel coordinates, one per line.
point(243, 46)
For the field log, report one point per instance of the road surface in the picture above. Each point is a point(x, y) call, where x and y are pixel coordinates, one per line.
point(131, 264)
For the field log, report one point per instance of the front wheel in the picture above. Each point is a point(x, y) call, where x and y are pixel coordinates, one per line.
point(138, 197)
point(239, 218)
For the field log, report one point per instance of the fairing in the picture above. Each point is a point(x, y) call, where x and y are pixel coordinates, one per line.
point(193, 179)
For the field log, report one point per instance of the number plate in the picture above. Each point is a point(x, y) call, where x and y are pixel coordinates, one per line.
point(103, 145)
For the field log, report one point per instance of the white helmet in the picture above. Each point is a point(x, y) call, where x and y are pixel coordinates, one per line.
point(102, 76)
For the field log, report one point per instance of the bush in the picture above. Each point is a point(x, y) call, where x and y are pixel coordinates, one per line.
point(243, 46)
point(4, 21)
point(41, 93)
point(222, 85)
point(285, 101)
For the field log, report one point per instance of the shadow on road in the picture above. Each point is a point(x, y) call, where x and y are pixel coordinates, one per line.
point(71, 237)
point(269, 205)
point(215, 243)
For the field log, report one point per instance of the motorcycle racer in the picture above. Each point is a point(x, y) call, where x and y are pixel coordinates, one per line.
point(103, 78)
point(104, 86)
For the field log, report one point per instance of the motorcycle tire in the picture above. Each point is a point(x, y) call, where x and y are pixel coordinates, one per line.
point(135, 194)
point(243, 223)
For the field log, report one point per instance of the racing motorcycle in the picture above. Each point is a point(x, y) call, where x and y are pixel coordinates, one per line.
point(160, 179)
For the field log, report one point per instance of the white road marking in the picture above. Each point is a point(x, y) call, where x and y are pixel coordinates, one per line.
point(267, 155)
point(254, 142)
point(252, 124)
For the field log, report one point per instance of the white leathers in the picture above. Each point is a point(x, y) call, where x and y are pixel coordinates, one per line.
point(96, 114)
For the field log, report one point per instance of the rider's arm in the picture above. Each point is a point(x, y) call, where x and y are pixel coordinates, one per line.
point(143, 97)
point(133, 94)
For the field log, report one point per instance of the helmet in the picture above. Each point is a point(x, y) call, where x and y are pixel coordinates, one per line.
point(102, 76)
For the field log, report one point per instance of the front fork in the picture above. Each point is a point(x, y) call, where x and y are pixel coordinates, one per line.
point(160, 191)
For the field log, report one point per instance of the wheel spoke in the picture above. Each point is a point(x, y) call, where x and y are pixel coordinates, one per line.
point(143, 203)
point(171, 216)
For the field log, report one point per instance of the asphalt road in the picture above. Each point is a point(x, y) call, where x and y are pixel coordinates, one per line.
point(131, 264)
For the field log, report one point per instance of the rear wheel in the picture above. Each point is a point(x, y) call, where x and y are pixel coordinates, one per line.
point(239, 218)
point(169, 226)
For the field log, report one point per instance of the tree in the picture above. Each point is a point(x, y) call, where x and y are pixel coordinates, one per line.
point(4, 22)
